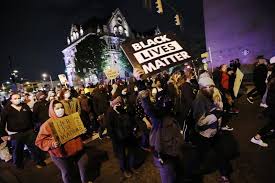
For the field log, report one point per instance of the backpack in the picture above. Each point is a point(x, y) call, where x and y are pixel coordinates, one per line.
point(166, 138)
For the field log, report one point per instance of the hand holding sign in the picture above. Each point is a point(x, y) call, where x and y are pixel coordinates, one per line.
point(137, 73)
point(55, 144)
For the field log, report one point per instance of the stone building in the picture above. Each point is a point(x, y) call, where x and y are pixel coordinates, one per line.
point(114, 31)
point(239, 29)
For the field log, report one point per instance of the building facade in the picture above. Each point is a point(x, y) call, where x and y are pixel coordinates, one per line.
point(239, 29)
point(114, 31)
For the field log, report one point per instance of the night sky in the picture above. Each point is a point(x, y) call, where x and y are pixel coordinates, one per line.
point(33, 33)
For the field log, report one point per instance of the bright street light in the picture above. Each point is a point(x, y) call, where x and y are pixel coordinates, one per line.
point(15, 71)
point(8, 82)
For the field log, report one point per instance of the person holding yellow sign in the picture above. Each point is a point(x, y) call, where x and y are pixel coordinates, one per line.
point(67, 155)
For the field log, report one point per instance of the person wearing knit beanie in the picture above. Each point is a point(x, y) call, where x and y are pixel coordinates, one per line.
point(206, 82)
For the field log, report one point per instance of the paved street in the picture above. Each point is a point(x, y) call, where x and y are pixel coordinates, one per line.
point(255, 164)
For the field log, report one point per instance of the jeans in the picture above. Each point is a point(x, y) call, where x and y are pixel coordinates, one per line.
point(145, 139)
point(126, 155)
point(18, 141)
point(270, 124)
point(265, 95)
point(67, 166)
point(166, 170)
point(256, 91)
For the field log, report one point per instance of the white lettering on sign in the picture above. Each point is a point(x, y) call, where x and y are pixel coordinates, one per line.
point(149, 42)
point(157, 51)
point(164, 61)
point(156, 54)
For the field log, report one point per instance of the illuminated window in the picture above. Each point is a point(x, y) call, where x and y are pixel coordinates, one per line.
point(120, 30)
point(115, 30)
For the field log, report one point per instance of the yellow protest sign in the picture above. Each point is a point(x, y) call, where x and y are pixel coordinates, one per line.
point(67, 128)
point(238, 82)
point(111, 73)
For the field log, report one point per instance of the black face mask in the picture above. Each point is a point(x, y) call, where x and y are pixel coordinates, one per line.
point(120, 109)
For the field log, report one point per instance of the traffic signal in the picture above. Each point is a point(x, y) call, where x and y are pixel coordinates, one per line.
point(159, 6)
point(148, 4)
point(177, 19)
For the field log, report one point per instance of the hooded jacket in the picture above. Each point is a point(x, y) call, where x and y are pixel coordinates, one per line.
point(45, 139)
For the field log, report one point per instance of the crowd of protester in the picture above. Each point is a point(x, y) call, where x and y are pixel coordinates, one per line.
point(162, 115)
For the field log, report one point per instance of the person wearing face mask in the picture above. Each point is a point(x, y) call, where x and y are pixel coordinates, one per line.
point(157, 90)
point(142, 119)
point(125, 96)
point(65, 156)
point(71, 104)
point(121, 133)
point(100, 106)
point(86, 112)
point(17, 118)
point(207, 118)
point(187, 94)
point(40, 110)
point(132, 97)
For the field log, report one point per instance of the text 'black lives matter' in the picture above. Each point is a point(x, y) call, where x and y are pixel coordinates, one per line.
point(155, 54)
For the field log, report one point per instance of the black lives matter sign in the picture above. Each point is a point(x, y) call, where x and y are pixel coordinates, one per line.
point(155, 54)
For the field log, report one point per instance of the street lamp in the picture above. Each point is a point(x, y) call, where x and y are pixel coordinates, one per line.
point(44, 75)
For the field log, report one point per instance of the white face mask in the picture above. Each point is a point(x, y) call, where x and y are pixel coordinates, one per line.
point(22, 99)
point(67, 95)
point(16, 102)
point(123, 92)
point(136, 89)
point(59, 112)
